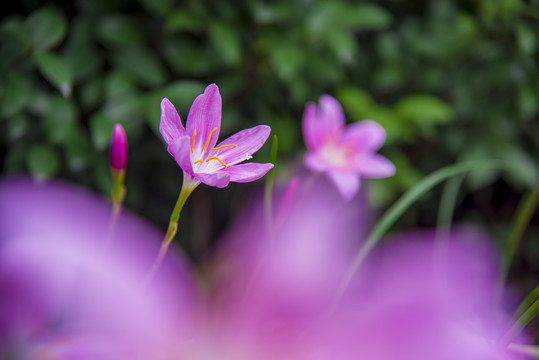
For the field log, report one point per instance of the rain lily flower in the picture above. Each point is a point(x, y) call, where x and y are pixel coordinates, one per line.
point(63, 297)
point(345, 154)
point(195, 147)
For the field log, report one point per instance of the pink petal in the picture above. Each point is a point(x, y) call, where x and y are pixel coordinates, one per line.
point(346, 183)
point(204, 116)
point(314, 163)
point(332, 116)
point(180, 149)
point(376, 166)
point(364, 135)
point(248, 172)
point(218, 179)
point(170, 126)
point(312, 131)
point(248, 142)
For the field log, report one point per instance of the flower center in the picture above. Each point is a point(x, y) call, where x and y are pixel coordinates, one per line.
point(210, 157)
point(337, 156)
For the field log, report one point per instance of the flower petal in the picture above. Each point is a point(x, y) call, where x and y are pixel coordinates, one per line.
point(204, 116)
point(180, 149)
point(364, 136)
point(376, 166)
point(218, 179)
point(248, 142)
point(248, 172)
point(312, 131)
point(314, 163)
point(170, 126)
point(346, 183)
point(332, 116)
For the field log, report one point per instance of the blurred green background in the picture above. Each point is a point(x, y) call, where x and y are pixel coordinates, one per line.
point(450, 81)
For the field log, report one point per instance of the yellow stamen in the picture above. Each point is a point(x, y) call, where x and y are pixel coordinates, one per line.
point(224, 146)
point(208, 141)
point(193, 139)
point(216, 158)
point(198, 161)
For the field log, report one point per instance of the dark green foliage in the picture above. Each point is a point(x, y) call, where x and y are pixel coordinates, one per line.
point(449, 80)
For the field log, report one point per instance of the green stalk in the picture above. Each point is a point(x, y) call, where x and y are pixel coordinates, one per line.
point(187, 189)
point(401, 205)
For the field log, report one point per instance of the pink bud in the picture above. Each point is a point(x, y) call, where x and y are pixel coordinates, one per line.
point(118, 148)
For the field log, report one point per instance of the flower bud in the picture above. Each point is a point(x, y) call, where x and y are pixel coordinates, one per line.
point(118, 148)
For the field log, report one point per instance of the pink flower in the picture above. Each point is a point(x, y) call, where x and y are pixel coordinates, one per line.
point(118, 148)
point(345, 154)
point(194, 147)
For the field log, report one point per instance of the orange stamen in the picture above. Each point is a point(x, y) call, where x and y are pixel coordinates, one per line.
point(208, 141)
point(216, 158)
point(198, 161)
point(224, 146)
point(193, 139)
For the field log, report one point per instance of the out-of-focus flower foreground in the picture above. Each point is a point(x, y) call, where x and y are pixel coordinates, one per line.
point(270, 291)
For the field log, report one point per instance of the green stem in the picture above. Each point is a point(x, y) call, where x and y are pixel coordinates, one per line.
point(401, 205)
point(524, 214)
point(525, 304)
point(187, 188)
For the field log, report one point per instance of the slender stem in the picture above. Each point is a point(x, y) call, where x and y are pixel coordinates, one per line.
point(118, 193)
point(524, 214)
point(525, 304)
point(187, 188)
point(401, 205)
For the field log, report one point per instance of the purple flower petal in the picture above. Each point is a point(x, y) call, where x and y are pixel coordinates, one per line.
point(180, 149)
point(218, 179)
point(365, 135)
point(312, 131)
point(205, 116)
point(247, 142)
point(314, 163)
point(346, 183)
point(170, 126)
point(248, 172)
point(376, 166)
point(332, 117)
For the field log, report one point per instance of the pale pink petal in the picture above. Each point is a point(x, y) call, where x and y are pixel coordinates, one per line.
point(180, 149)
point(248, 172)
point(218, 179)
point(365, 135)
point(247, 142)
point(170, 126)
point(312, 127)
point(314, 163)
point(205, 116)
point(376, 166)
point(346, 183)
point(332, 116)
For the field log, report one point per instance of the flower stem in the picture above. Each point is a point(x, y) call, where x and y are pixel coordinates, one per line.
point(118, 193)
point(187, 188)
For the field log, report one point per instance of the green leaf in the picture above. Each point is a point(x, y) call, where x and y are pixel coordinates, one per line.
point(226, 41)
point(287, 60)
point(42, 161)
point(182, 21)
point(47, 26)
point(119, 31)
point(158, 7)
point(143, 66)
point(15, 42)
point(527, 40)
point(59, 119)
point(362, 16)
point(55, 70)
point(101, 129)
point(17, 127)
point(423, 110)
point(17, 94)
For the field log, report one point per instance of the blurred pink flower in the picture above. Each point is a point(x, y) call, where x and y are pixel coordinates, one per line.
point(345, 154)
point(194, 147)
point(64, 297)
